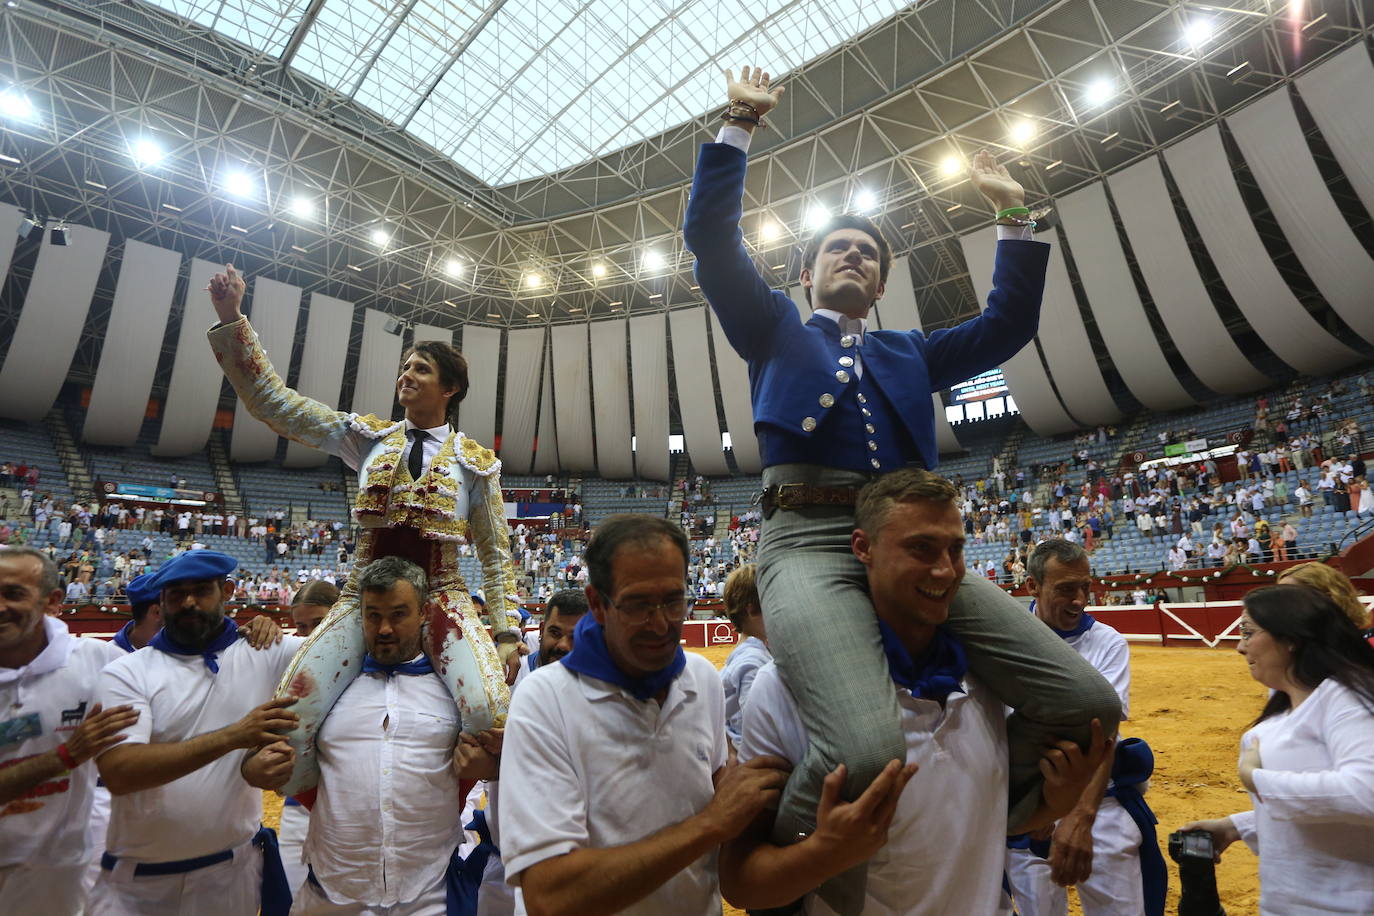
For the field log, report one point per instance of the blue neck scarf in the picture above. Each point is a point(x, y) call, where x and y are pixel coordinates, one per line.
point(227, 637)
point(121, 638)
point(936, 673)
point(1085, 623)
point(591, 657)
point(420, 665)
point(533, 661)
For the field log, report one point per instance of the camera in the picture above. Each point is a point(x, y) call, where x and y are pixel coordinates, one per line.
point(1195, 855)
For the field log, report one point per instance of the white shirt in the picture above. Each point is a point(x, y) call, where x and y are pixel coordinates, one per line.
point(945, 850)
point(585, 765)
point(211, 809)
point(1314, 811)
point(737, 677)
point(1108, 652)
point(47, 825)
point(387, 815)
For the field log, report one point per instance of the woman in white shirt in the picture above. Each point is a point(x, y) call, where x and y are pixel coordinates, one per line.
point(1307, 761)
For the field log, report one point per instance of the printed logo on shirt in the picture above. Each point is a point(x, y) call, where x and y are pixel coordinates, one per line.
point(12, 731)
point(72, 717)
point(28, 802)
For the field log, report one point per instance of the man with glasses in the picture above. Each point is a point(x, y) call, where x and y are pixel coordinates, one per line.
point(616, 794)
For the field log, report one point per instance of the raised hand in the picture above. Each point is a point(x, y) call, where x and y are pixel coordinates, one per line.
point(100, 731)
point(226, 294)
point(742, 791)
point(265, 724)
point(853, 831)
point(994, 182)
point(753, 86)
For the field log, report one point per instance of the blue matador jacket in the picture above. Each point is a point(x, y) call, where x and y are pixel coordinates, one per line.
point(808, 407)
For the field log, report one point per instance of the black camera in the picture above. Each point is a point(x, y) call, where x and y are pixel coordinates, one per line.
point(1195, 855)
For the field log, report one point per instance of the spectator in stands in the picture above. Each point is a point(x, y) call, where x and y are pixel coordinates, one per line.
point(742, 608)
point(586, 824)
point(145, 611)
point(1305, 760)
point(48, 681)
point(184, 828)
point(396, 505)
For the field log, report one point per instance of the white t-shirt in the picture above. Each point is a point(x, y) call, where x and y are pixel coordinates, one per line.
point(1109, 653)
point(387, 814)
point(209, 810)
point(1314, 807)
point(945, 851)
point(41, 705)
point(585, 765)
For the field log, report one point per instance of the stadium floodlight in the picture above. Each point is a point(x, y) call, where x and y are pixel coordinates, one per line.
point(303, 208)
point(28, 226)
point(380, 237)
point(146, 153)
point(598, 270)
point(817, 216)
point(1099, 91)
point(770, 231)
point(865, 200)
point(534, 280)
point(453, 268)
point(1023, 131)
point(15, 105)
point(61, 235)
point(951, 166)
point(240, 183)
point(1198, 32)
point(654, 260)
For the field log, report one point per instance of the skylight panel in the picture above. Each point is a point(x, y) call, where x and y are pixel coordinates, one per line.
point(263, 25)
point(344, 39)
point(410, 62)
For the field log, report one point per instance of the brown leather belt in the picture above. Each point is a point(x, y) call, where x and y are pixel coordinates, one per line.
point(789, 496)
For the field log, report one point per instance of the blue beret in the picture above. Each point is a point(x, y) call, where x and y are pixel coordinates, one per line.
point(192, 566)
point(140, 592)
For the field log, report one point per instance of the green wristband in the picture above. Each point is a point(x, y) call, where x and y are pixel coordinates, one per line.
point(1013, 211)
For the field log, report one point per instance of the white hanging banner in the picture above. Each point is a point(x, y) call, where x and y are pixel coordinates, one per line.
point(649, 371)
point(524, 357)
point(611, 395)
point(273, 313)
point(477, 413)
point(546, 442)
point(327, 330)
point(696, 393)
point(572, 394)
point(379, 365)
point(10, 218)
point(49, 327)
point(427, 332)
point(733, 374)
point(188, 414)
point(1338, 94)
point(132, 344)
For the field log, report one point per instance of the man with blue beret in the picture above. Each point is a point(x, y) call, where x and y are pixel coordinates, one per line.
point(145, 611)
point(835, 403)
point(185, 831)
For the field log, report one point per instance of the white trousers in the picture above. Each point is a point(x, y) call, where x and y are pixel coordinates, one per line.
point(295, 823)
point(311, 901)
point(1113, 889)
point(232, 888)
point(95, 835)
point(49, 891)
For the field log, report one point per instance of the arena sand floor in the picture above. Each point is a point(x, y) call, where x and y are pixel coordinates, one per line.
point(1192, 705)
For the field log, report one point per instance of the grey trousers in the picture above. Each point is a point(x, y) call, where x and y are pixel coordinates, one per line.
point(824, 638)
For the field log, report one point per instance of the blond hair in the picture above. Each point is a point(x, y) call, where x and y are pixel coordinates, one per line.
point(1331, 582)
point(741, 593)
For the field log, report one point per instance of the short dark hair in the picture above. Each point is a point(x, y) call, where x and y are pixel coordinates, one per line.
point(383, 573)
point(452, 366)
point(49, 580)
point(908, 485)
point(847, 221)
point(568, 602)
point(616, 531)
point(319, 592)
point(1324, 640)
point(1065, 552)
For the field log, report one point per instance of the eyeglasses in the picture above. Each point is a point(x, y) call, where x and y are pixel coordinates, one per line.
point(1247, 632)
point(638, 610)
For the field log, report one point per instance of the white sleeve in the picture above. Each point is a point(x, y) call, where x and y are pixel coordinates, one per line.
point(121, 684)
point(770, 723)
point(1115, 665)
point(543, 810)
point(1343, 793)
point(1244, 822)
point(737, 137)
point(1016, 233)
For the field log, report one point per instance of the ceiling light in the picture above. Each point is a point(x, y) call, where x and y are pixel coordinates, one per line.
point(654, 260)
point(598, 270)
point(865, 200)
point(27, 226)
point(1099, 91)
point(655, 295)
point(299, 250)
point(453, 268)
point(534, 281)
point(240, 184)
point(769, 231)
point(951, 166)
point(817, 216)
point(10, 159)
point(380, 237)
point(173, 207)
point(1022, 132)
point(147, 152)
point(1172, 110)
point(1054, 165)
point(239, 229)
point(1198, 32)
point(14, 104)
point(1112, 140)
point(97, 184)
point(303, 208)
point(1239, 71)
point(951, 209)
point(534, 316)
point(493, 314)
point(354, 267)
point(60, 236)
